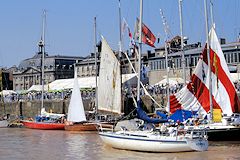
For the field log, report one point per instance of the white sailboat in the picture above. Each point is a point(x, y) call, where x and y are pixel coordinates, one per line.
point(76, 119)
point(216, 82)
point(153, 140)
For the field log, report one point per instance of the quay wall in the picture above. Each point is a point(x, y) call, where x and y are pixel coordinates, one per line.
point(32, 108)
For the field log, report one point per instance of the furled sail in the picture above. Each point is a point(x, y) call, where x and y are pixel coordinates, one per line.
point(109, 85)
point(195, 95)
point(76, 111)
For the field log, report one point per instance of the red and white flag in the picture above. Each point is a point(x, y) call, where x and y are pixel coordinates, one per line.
point(124, 27)
point(195, 95)
point(147, 36)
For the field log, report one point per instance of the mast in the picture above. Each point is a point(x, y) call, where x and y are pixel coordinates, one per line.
point(42, 49)
point(140, 50)
point(96, 68)
point(120, 30)
point(211, 12)
point(209, 64)
point(120, 49)
point(166, 57)
point(181, 34)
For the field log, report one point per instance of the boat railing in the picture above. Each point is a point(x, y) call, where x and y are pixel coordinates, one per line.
point(105, 127)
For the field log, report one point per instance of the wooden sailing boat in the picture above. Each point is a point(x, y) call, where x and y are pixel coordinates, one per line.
point(76, 119)
point(45, 120)
point(3, 121)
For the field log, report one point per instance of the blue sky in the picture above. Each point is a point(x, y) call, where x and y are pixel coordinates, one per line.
point(69, 29)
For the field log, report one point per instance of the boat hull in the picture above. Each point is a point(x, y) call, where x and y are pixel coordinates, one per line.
point(43, 125)
point(4, 123)
point(146, 144)
point(81, 127)
point(224, 134)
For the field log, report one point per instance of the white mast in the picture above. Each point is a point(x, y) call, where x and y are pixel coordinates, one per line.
point(211, 12)
point(140, 50)
point(42, 45)
point(166, 58)
point(209, 64)
point(96, 68)
point(120, 29)
point(181, 34)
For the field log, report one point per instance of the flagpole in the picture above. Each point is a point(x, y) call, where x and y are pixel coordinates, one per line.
point(209, 63)
point(181, 34)
point(140, 50)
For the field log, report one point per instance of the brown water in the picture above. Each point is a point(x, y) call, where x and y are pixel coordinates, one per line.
point(28, 144)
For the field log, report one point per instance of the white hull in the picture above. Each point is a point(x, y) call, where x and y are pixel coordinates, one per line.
point(4, 124)
point(152, 143)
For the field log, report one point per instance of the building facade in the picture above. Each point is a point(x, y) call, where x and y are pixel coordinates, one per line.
point(157, 64)
point(29, 71)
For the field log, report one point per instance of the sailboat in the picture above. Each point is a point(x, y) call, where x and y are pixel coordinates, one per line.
point(195, 95)
point(76, 119)
point(148, 140)
point(47, 121)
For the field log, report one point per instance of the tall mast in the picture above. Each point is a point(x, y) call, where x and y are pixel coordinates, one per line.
point(120, 28)
point(181, 34)
point(209, 64)
point(42, 46)
point(96, 68)
point(166, 57)
point(140, 50)
point(211, 12)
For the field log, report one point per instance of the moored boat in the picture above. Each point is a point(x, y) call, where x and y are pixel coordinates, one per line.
point(155, 141)
point(43, 125)
point(76, 119)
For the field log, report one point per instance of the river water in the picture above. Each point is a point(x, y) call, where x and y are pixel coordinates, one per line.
point(29, 144)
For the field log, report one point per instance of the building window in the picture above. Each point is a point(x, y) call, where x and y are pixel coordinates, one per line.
point(236, 58)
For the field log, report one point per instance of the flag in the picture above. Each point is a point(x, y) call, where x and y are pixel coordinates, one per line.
point(147, 36)
point(124, 27)
point(196, 95)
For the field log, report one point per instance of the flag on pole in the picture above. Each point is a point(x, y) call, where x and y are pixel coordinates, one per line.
point(147, 36)
point(124, 27)
point(196, 95)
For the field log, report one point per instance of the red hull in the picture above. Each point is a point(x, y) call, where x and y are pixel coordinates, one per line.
point(81, 127)
point(43, 125)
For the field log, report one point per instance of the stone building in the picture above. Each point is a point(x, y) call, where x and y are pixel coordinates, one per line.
point(29, 71)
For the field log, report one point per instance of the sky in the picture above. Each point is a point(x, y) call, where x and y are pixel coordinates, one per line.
point(70, 24)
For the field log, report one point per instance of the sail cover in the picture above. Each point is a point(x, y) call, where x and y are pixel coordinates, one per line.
point(76, 111)
point(109, 85)
point(195, 95)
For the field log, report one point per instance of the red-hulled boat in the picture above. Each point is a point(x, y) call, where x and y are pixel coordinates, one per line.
point(43, 125)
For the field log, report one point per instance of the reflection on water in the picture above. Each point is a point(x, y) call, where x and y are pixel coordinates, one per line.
point(27, 144)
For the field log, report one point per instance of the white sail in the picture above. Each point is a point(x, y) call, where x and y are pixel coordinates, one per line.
point(76, 111)
point(109, 86)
